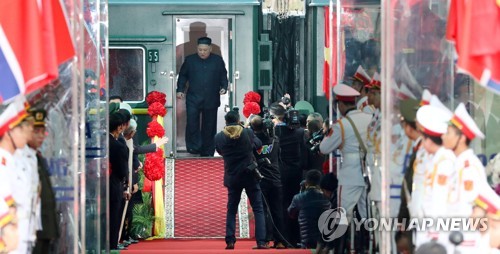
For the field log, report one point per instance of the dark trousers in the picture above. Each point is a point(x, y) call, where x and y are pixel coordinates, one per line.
point(127, 227)
point(255, 196)
point(273, 209)
point(196, 139)
point(291, 186)
point(114, 222)
point(42, 246)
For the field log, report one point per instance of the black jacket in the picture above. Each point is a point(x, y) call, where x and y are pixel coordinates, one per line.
point(271, 150)
point(118, 160)
point(50, 226)
point(292, 148)
point(309, 205)
point(236, 145)
point(206, 77)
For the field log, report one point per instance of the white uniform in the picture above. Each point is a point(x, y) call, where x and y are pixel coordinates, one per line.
point(26, 198)
point(373, 158)
point(419, 173)
point(6, 199)
point(437, 188)
point(400, 157)
point(489, 201)
point(469, 177)
point(352, 189)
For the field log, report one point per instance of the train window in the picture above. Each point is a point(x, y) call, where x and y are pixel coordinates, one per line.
point(127, 73)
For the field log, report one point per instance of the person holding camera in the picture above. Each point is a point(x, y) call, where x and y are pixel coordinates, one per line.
point(292, 145)
point(314, 135)
point(268, 160)
point(236, 145)
point(349, 135)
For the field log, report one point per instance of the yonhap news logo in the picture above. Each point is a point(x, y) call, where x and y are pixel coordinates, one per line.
point(333, 224)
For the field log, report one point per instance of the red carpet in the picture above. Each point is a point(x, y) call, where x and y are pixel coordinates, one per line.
point(200, 198)
point(179, 246)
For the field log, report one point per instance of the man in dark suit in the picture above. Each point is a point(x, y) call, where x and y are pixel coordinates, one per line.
point(50, 228)
point(207, 77)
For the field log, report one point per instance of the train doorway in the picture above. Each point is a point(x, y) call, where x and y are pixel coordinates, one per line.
point(187, 32)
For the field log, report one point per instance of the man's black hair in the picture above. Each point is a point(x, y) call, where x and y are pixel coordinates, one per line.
point(114, 97)
point(232, 117)
point(329, 182)
point(303, 120)
point(115, 120)
point(413, 125)
point(257, 124)
point(313, 177)
point(436, 140)
point(125, 113)
point(277, 109)
point(314, 126)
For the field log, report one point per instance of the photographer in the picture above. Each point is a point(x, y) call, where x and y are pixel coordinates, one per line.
point(313, 137)
point(268, 160)
point(292, 144)
point(236, 145)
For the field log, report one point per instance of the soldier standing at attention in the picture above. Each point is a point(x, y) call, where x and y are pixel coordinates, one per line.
point(469, 171)
point(50, 230)
point(349, 135)
point(439, 171)
point(12, 137)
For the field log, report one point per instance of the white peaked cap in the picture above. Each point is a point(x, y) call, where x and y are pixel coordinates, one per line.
point(405, 93)
point(433, 120)
point(426, 97)
point(345, 93)
point(435, 102)
point(464, 122)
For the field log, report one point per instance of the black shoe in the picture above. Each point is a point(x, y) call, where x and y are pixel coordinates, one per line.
point(193, 151)
point(133, 241)
point(230, 246)
point(260, 247)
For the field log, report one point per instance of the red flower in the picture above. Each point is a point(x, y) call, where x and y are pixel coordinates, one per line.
point(156, 109)
point(156, 96)
point(155, 129)
point(154, 167)
point(251, 108)
point(251, 97)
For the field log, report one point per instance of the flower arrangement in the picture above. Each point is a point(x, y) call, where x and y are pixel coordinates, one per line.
point(154, 168)
point(251, 104)
point(156, 96)
point(157, 109)
point(251, 97)
point(251, 108)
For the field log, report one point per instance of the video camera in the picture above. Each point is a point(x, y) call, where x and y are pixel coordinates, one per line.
point(253, 168)
point(315, 140)
point(267, 121)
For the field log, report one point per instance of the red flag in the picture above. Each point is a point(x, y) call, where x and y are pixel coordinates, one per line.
point(35, 40)
point(330, 64)
point(474, 26)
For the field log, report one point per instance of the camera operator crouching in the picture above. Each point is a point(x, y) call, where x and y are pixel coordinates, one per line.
point(291, 136)
point(268, 165)
point(236, 145)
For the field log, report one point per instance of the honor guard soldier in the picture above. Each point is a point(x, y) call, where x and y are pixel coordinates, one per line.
point(439, 171)
point(373, 157)
point(360, 82)
point(469, 171)
point(12, 137)
point(488, 206)
point(349, 135)
point(25, 174)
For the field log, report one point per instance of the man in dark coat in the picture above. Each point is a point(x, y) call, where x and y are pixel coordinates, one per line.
point(308, 207)
point(408, 110)
point(236, 145)
point(50, 228)
point(207, 77)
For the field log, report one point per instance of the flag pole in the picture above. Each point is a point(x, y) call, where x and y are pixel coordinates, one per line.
point(330, 73)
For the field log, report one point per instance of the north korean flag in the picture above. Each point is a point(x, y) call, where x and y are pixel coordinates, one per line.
point(34, 40)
